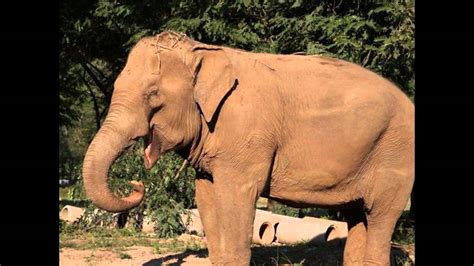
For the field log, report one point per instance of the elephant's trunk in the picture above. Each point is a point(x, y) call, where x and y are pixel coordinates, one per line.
point(107, 145)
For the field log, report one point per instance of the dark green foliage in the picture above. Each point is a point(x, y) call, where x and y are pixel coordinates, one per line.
point(404, 232)
point(96, 36)
point(284, 210)
point(165, 199)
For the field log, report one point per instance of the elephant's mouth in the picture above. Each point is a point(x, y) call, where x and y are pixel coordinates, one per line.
point(152, 149)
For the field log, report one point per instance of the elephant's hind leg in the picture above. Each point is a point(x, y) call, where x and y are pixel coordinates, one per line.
point(379, 234)
point(354, 249)
point(383, 213)
point(389, 177)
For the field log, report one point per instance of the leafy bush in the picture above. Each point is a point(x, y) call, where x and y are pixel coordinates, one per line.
point(166, 197)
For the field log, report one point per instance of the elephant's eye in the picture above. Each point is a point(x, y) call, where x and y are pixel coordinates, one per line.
point(152, 92)
point(153, 98)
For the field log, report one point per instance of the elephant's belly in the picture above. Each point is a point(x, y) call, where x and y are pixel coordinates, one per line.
point(291, 193)
point(320, 168)
point(305, 183)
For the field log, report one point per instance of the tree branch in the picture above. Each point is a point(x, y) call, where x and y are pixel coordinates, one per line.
point(97, 82)
point(106, 108)
point(96, 104)
point(97, 70)
point(181, 169)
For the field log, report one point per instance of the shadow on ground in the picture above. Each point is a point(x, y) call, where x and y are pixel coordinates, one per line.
point(330, 253)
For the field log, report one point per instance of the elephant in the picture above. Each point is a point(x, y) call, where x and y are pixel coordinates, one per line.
point(303, 130)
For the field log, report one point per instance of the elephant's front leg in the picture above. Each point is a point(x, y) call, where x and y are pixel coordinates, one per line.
point(227, 208)
point(205, 198)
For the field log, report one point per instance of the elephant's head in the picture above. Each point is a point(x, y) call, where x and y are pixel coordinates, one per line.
point(169, 88)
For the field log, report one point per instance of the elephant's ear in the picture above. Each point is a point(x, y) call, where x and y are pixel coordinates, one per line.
point(213, 77)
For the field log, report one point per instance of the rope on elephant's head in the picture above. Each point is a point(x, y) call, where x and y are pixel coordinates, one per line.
point(174, 37)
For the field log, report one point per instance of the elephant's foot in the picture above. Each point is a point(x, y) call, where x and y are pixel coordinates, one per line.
point(379, 234)
point(354, 249)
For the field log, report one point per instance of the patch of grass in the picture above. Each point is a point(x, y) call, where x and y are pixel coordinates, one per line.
point(69, 244)
point(118, 239)
point(174, 245)
point(102, 238)
point(106, 242)
point(74, 231)
point(194, 246)
point(124, 256)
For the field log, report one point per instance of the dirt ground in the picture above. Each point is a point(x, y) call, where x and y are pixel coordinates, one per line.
point(138, 256)
point(326, 254)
